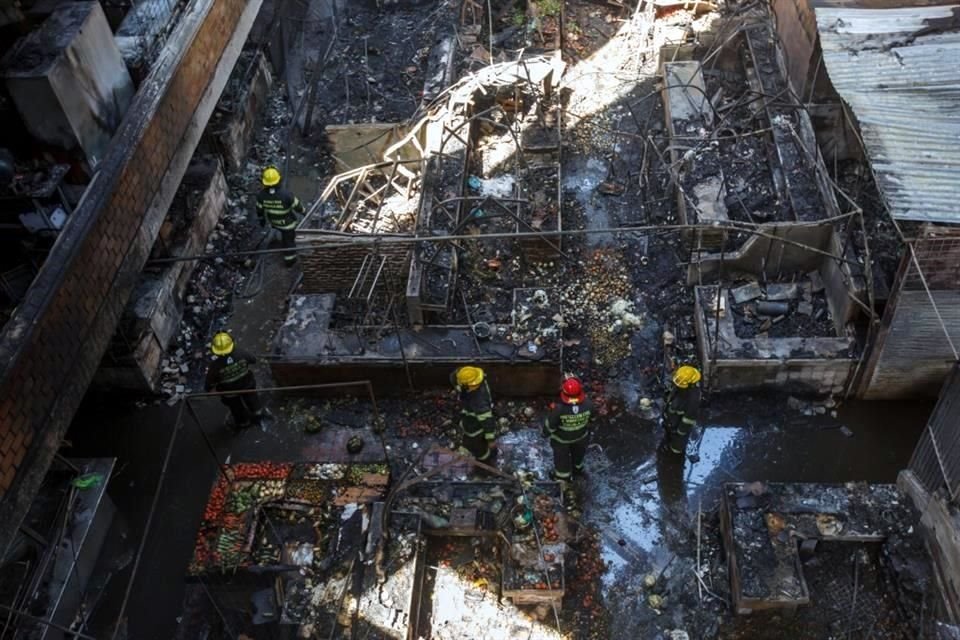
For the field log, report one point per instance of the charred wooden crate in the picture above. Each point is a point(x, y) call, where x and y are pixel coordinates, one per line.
point(533, 559)
point(520, 591)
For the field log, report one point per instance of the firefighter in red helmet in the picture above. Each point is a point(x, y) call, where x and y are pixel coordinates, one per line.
point(568, 427)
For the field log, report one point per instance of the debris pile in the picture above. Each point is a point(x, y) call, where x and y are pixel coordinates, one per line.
point(599, 305)
point(783, 309)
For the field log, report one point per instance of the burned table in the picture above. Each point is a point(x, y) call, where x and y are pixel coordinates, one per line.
point(765, 526)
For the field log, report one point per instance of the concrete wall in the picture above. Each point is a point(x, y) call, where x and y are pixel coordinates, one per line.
point(766, 254)
point(842, 282)
point(940, 523)
point(825, 368)
point(69, 82)
point(804, 376)
point(234, 130)
point(153, 315)
point(50, 349)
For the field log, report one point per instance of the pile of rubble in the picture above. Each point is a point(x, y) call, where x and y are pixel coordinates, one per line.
point(783, 309)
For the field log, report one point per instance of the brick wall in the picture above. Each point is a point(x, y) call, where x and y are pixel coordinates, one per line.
point(152, 317)
point(50, 349)
point(335, 268)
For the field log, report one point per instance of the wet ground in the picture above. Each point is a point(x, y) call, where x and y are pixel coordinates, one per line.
point(641, 510)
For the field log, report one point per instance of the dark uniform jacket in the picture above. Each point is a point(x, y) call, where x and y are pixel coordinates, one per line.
point(477, 404)
point(231, 372)
point(683, 405)
point(569, 422)
point(278, 207)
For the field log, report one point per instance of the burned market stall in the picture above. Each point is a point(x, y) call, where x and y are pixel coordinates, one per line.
point(281, 539)
point(482, 171)
point(496, 542)
point(849, 554)
point(781, 313)
point(778, 285)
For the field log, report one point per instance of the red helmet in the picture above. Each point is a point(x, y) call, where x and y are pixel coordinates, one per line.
point(571, 391)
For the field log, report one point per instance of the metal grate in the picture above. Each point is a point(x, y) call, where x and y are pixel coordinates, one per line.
point(939, 260)
point(936, 460)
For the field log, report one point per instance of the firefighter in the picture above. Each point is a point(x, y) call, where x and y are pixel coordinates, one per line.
point(683, 405)
point(279, 207)
point(230, 371)
point(567, 425)
point(476, 412)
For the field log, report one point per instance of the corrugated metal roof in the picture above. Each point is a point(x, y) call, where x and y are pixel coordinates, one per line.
point(900, 73)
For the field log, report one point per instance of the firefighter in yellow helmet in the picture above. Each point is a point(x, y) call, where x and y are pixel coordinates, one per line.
point(279, 207)
point(476, 412)
point(230, 371)
point(682, 408)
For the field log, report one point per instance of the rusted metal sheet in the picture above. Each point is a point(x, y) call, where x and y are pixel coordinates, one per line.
point(897, 71)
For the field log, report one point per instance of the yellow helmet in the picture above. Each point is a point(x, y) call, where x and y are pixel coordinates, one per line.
point(222, 344)
point(469, 376)
point(685, 376)
point(270, 177)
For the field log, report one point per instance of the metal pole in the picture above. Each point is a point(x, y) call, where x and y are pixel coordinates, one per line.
point(301, 387)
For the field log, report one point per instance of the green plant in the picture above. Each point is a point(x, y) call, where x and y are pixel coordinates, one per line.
point(549, 7)
point(519, 18)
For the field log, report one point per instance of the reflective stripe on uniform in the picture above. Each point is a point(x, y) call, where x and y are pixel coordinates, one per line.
point(562, 441)
point(233, 372)
point(483, 415)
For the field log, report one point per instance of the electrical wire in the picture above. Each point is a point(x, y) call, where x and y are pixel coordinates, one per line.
point(339, 239)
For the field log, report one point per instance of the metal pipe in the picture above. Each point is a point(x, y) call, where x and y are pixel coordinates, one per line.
point(773, 307)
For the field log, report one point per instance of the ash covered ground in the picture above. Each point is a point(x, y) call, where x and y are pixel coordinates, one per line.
point(648, 558)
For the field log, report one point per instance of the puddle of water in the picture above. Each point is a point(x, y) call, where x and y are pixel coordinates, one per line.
point(583, 178)
point(714, 445)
